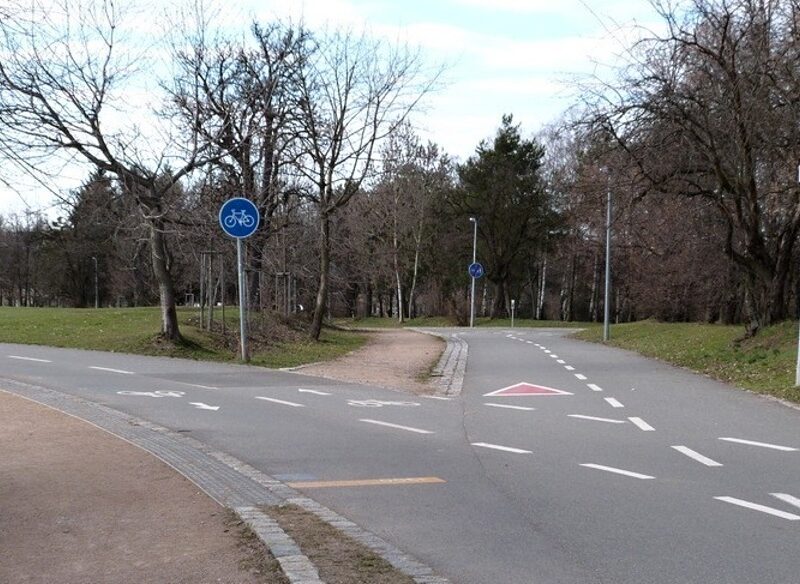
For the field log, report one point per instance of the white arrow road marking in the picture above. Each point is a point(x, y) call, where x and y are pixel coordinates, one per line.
point(526, 409)
point(397, 426)
point(202, 406)
point(594, 387)
point(314, 391)
point(29, 359)
point(761, 444)
point(642, 425)
point(112, 370)
point(619, 471)
point(787, 499)
point(614, 403)
point(501, 448)
point(582, 417)
point(280, 401)
point(696, 456)
point(757, 507)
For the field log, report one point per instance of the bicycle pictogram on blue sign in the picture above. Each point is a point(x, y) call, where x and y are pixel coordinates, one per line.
point(239, 217)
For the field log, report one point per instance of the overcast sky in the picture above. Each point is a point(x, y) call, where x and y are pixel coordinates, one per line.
point(503, 56)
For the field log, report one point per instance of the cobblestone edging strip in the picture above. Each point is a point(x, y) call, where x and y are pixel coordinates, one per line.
point(449, 371)
point(227, 480)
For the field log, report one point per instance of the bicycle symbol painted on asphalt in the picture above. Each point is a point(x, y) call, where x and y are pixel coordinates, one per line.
point(374, 403)
point(153, 393)
point(240, 217)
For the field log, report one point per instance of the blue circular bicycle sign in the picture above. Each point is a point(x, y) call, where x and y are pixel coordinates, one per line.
point(239, 217)
point(476, 270)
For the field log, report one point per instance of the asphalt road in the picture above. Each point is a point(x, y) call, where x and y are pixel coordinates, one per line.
point(639, 473)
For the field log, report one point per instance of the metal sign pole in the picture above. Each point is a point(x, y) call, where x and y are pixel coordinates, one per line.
point(242, 302)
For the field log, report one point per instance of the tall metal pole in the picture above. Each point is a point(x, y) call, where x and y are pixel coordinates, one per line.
point(607, 301)
point(474, 259)
point(96, 287)
point(242, 301)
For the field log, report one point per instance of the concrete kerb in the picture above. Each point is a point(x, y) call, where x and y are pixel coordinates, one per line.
point(449, 371)
point(227, 480)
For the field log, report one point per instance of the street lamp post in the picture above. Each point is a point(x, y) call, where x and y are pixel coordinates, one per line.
point(96, 294)
point(474, 221)
point(607, 301)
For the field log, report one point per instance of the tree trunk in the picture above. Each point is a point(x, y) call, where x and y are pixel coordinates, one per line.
point(166, 290)
point(324, 268)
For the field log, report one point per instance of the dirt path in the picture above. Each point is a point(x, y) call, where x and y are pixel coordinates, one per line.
point(397, 359)
point(78, 505)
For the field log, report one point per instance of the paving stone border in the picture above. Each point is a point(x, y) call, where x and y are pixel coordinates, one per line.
point(449, 371)
point(227, 480)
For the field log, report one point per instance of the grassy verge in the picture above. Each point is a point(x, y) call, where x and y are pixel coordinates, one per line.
point(133, 330)
point(444, 321)
point(765, 364)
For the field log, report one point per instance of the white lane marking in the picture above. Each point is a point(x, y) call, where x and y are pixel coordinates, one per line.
point(696, 456)
point(569, 368)
point(761, 444)
point(529, 342)
point(757, 507)
point(787, 499)
point(642, 425)
point(202, 406)
point(509, 336)
point(554, 356)
point(439, 397)
point(397, 426)
point(509, 407)
point(112, 370)
point(614, 403)
point(501, 448)
point(609, 420)
point(547, 351)
point(619, 471)
point(28, 359)
point(594, 387)
point(193, 384)
point(561, 361)
point(153, 393)
point(280, 401)
point(314, 391)
point(580, 376)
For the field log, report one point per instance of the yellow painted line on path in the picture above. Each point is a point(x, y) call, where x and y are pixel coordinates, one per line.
point(366, 483)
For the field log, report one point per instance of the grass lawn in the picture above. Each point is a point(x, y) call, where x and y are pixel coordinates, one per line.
point(134, 330)
point(765, 364)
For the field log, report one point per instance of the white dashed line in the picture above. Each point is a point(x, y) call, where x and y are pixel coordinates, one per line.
point(580, 376)
point(619, 471)
point(569, 368)
point(757, 507)
point(547, 351)
point(594, 387)
point(122, 371)
point(787, 499)
point(28, 359)
point(614, 403)
point(312, 391)
point(501, 448)
point(529, 342)
point(609, 420)
point(761, 444)
point(396, 426)
point(642, 425)
point(280, 401)
point(510, 407)
point(193, 384)
point(439, 397)
point(554, 356)
point(696, 456)
point(561, 361)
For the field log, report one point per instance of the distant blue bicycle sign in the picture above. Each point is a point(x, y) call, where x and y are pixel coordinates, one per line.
point(239, 217)
point(476, 270)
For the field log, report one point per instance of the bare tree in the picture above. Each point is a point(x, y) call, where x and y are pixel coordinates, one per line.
point(710, 110)
point(353, 92)
point(61, 77)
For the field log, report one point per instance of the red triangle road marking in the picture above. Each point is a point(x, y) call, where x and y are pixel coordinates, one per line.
point(525, 389)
